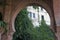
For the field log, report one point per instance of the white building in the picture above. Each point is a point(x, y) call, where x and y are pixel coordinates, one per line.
point(33, 15)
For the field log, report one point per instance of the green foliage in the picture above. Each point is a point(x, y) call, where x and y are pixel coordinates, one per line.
point(46, 32)
point(26, 31)
point(4, 26)
point(2, 23)
point(23, 25)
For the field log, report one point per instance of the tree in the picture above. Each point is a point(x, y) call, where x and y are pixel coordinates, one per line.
point(23, 25)
point(46, 32)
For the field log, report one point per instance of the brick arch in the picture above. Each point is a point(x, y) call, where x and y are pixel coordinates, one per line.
point(23, 4)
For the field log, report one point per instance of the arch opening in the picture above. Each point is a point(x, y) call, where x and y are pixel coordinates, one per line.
point(42, 4)
point(24, 15)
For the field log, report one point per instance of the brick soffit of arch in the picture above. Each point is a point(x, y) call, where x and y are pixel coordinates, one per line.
point(25, 3)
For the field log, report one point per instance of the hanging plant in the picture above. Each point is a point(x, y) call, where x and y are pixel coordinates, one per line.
point(3, 26)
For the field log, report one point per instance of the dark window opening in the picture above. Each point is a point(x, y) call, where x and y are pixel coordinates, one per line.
point(30, 14)
point(1, 16)
point(33, 15)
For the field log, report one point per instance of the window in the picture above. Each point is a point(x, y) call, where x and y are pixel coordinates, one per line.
point(41, 9)
point(33, 15)
point(30, 14)
point(42, 16)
